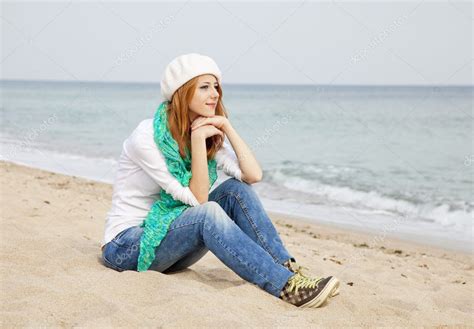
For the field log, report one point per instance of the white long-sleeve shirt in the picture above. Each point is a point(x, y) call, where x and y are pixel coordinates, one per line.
point(142, 173)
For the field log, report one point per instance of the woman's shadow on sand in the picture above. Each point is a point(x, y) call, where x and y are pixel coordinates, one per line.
point(217, 278)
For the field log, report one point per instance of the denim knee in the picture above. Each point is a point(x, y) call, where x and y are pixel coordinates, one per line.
point(239, 188)
point(215, 216)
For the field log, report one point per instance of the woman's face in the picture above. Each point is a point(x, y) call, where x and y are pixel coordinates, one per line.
point(204, 101)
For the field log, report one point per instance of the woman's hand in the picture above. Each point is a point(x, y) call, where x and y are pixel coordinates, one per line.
point(218, 121)
point(206, 131)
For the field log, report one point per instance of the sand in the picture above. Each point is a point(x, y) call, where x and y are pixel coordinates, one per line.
point(52, 275)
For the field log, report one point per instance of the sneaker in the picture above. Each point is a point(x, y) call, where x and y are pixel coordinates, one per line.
point(295, 268)
point(302, 291)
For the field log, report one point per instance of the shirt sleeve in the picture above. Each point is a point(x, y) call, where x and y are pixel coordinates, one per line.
point(227, 160)
point(142, 149)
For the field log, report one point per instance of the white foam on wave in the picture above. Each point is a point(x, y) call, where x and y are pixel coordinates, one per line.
point(378, 224)
point(98, 169)
point(460, 220)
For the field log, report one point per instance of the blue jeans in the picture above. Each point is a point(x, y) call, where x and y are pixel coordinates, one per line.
point(233, 225)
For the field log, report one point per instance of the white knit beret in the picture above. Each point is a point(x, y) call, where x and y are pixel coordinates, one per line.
point(185, 67)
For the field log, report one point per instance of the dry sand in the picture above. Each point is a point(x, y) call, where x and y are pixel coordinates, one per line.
point(52, 275)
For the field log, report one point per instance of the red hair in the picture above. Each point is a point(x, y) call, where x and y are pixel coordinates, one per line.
point(178, 119)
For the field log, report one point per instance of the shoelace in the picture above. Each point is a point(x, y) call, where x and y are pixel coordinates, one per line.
point(299, 281)
point(292, 266)
point(298, 269)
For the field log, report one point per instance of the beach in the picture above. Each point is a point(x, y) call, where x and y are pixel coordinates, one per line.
point(52, 274)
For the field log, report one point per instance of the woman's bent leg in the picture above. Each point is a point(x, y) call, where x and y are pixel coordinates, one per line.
point(187, 260)
point(242, 204)
point(208, 225)
point(196, 230)
point(180, 248)
point(122, 252)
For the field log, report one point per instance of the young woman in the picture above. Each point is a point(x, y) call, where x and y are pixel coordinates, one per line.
point(163, 217)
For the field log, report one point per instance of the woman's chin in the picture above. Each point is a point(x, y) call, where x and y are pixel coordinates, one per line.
point(208, 114)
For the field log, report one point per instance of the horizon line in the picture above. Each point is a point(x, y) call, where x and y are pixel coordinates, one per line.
point(240, 84)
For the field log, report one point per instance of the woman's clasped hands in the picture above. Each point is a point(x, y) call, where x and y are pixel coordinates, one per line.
point(209, 126)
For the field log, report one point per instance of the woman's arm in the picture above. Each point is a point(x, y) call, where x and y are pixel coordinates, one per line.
point(199, 183)
point(251, 171)
point(141, 148)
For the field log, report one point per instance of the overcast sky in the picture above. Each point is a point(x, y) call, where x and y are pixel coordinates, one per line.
point(299, 42)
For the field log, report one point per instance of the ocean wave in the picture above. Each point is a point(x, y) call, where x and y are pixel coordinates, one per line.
point(33, 155)
point(284, 181)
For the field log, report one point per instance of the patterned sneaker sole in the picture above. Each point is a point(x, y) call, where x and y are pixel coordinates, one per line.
point(335, 291)
point(324, 295)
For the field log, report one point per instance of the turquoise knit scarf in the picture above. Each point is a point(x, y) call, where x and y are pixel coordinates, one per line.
point(166, 209)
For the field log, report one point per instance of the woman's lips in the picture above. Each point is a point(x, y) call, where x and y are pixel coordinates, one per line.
point(211, 104)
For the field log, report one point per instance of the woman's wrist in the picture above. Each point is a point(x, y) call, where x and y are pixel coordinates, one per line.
point(226, 127)
point(197, 137)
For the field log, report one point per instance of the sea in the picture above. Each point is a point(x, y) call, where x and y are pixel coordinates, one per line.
point(392, 161)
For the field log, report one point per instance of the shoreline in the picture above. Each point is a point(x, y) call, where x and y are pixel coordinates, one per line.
point(51, 269)
point(446, 245)
point(375, 236)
